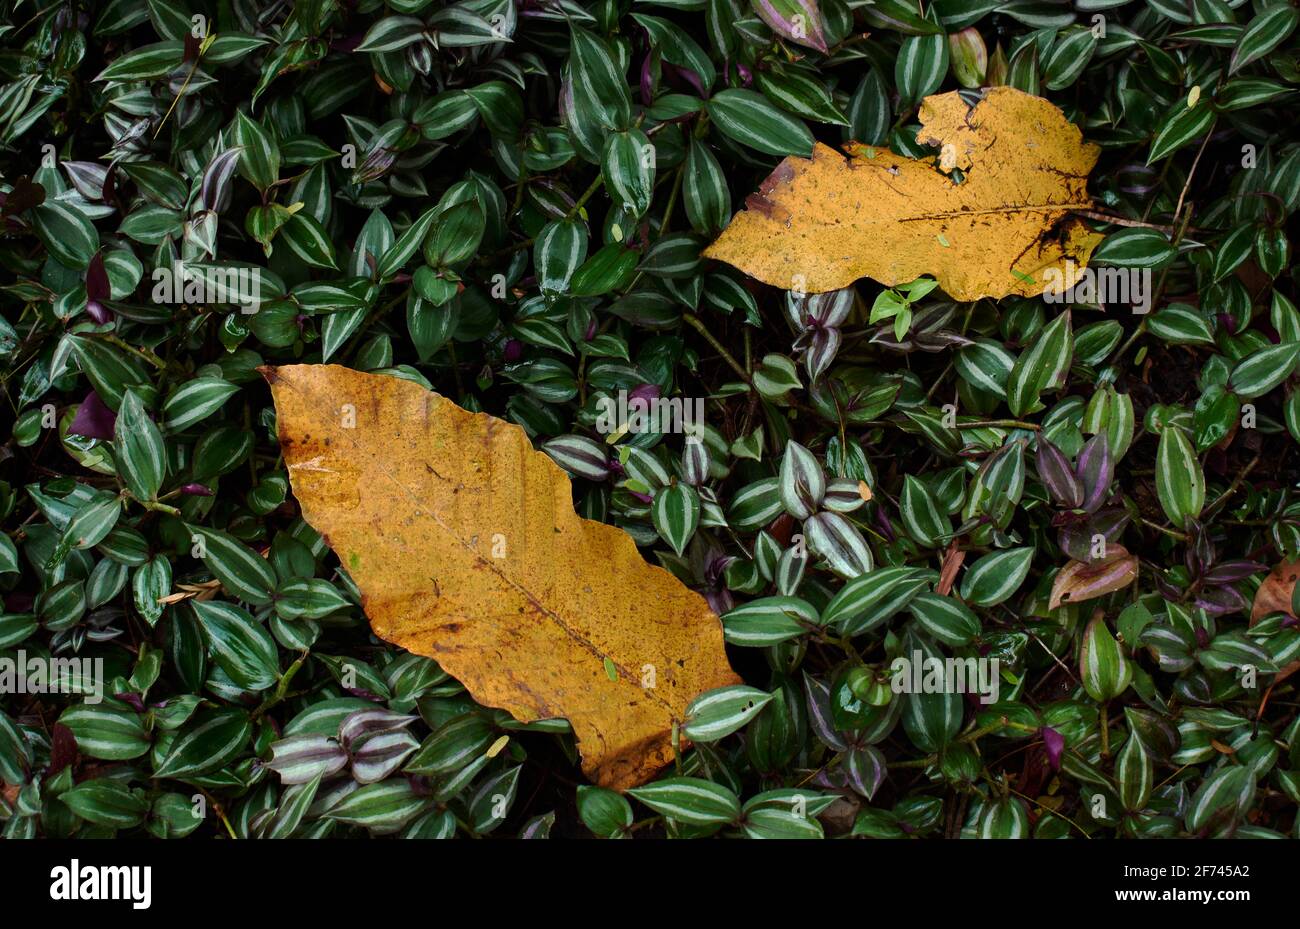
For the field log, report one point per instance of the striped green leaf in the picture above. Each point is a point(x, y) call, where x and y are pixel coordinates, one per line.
point(705, 194)
point(196, 400)
point(867, 601)
point(692, 801)
point(832, 537)
point(560, 249)
point(1181, 127)
point(946, 618)
point(675, 513)
point(210, 740)
point(307, 238)
point(241, 647)
point(392, 33)
point(1180, 324)
point(580, 456)
point(381, 808)
point(1263, 34)
point(1003, 818)
point(985, 365)
point(1069, 56)
point(1261, 371)
point(92, 521)
point(678, 47)
point(259, 158)
point(629, 170)
point(603, 811)
point(66, 232)
point(996, 576)
point(920, 513)
point(138, 449)
point(145, 63)
point(718, 713)
point(768, 621)
point(243, 572)
point(308, 598)
point(106, 802)
point(1221, 795)
point(598, 81)
point(747, 117)
point(1103, 670)
point(1043, 366)
point(800, 94)
point(110, 731)
point(920, 67)
point(803, 483)
point(1180, 482)
point(1135, 248)
point(1134, 774)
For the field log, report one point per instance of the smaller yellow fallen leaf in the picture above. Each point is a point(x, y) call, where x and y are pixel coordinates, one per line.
point(820, 223)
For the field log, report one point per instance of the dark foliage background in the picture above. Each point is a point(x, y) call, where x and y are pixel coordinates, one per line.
point(506, 202)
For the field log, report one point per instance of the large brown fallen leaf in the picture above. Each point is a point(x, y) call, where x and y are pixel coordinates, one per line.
point(466, 548)
point(820, 224)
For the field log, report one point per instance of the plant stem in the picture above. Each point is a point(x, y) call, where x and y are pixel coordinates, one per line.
point(999, 424)
point(586, 195)
point(698, 325)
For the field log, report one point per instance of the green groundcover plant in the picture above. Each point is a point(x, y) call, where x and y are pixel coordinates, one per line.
point(1077, 503)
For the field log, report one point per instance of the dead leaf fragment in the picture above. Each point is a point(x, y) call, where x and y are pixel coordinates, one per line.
point(819, 224)
point(1274, 596)
point(466, 549)
point(1087, 580)
point(953, 558)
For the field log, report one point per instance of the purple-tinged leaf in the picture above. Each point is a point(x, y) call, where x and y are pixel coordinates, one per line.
point(98, 288)
point(1087, 580)
point(299, 759)
point(1076, 536)
point(1220, 601)
point(368, 721)
point(93, 419)
point(866, 770)
point(379, 754)
point(1096, 471)
point(214, 191)
point(1229, 572)
point(87, 178)
point(823, 346)
point(800, 21)
point(1200, 552)
point(818, 695)
point(1057, 475)
point(1054, 743)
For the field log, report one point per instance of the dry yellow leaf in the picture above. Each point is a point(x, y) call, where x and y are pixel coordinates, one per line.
point(466, 549)
point(820, 224)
